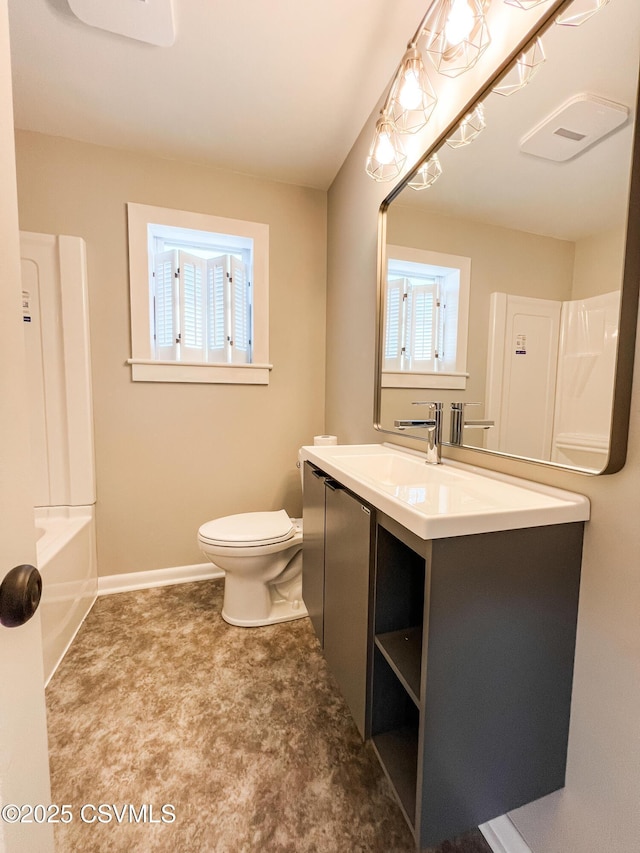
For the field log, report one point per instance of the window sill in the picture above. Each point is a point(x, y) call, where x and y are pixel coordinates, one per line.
point(148, 370)
point(402, 379)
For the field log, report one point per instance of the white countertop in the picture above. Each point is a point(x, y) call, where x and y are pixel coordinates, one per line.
point(451, 499)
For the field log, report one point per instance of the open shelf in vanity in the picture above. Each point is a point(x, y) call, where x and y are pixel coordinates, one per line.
point(397, 663)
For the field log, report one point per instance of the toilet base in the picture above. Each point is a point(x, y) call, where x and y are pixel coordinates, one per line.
point(281, 611)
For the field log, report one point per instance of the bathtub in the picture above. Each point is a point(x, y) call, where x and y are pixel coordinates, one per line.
point(66, 559)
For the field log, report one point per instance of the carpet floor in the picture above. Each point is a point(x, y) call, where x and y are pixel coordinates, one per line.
point(170, 730)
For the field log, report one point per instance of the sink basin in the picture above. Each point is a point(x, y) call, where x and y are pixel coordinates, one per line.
point(452, 499)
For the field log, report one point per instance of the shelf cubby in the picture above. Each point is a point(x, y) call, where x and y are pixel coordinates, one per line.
point(403, 652)
point(395, 722)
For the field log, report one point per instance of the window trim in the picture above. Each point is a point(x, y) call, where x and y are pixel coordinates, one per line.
point(442, 379)
point(144, 367)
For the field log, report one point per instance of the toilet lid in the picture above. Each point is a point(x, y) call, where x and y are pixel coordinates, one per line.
point(248, 528)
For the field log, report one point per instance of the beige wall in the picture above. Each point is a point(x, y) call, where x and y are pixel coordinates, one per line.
point(598, 809)
point(598, 265)
point(171, 456)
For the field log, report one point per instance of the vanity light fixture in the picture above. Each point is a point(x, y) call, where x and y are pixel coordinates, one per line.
point(456, 35)
point(412, 97)
point(524, 70)
point(469, 128)
point(579, 12)
point(386, 156)
point(427, 174)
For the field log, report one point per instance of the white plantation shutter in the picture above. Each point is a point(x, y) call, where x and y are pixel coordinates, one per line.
point(422, 326)
point(394, 324)
point(217, 308)
point(240, 316)
point(202, 308)
point(193, 271)
point(165, 305)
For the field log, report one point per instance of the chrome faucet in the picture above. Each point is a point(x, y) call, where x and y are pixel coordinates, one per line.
point(434, 425)
point(458, 422)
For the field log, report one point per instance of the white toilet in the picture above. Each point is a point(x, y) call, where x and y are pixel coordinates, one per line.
point(261, 554)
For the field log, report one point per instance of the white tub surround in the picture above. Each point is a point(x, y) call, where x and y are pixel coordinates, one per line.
point(66, 552)
point(56, 324)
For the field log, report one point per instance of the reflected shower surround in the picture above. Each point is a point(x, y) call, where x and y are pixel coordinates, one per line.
point(454, 35)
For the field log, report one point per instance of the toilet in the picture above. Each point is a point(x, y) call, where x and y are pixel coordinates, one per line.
point(261, 554)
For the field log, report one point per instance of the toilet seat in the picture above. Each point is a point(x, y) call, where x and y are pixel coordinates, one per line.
point(248, 529)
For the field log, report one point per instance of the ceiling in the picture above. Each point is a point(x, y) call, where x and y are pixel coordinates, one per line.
point(492, 181)
point(273, 88)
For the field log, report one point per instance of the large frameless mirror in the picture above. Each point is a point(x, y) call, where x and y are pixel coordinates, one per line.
point(509, 272)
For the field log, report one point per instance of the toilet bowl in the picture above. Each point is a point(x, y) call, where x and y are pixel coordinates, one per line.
point(261, 555)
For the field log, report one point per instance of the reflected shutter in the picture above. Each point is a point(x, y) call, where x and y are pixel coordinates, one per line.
point(192, 307)
point(165, 305)
point(393, 324)
point(422, 327)
point(448, 322)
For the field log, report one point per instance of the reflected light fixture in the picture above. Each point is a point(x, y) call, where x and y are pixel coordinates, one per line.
point(580, 11)
point(525, 4)
point(469, 128)
point(386, 156)
point(427, 174)
point(524, 70)
point(456, 35)
point(412, 98)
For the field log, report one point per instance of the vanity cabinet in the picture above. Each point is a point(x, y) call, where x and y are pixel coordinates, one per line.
point(336, 582)
point(313, 530)
point(472, 661)
point(346, 596)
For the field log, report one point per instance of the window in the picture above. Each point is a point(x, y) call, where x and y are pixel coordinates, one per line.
point(199, 297)
point(426, 316)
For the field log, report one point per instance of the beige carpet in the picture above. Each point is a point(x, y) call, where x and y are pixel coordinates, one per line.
point(241, 731)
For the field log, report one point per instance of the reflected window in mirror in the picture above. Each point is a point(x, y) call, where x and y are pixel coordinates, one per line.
point(426, 319)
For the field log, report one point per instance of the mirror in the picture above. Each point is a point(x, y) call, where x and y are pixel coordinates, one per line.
point(542, 337)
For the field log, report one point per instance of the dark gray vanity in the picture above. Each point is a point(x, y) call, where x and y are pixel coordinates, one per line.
point(454, 654)
point(336, 582)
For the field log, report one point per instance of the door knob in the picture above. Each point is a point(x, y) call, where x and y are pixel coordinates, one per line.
point(20, 593)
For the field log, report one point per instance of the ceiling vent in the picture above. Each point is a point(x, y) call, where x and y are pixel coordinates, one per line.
point(576, 126)
point(150, 21)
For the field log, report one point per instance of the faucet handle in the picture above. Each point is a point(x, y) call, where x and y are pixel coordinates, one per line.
point(459, 406)
point(437, 405)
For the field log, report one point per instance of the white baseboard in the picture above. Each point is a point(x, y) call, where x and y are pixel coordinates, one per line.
point(502, 836)
point(158, 577)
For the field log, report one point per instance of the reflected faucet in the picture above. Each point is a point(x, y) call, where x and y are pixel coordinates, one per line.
point(434, 425)
point(458, 422)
